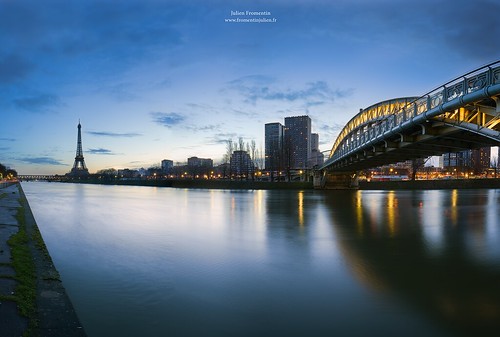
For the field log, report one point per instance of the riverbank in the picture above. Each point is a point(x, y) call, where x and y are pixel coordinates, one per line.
point(33, 301)
point(204, 184)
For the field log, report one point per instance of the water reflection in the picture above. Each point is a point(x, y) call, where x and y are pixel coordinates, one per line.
point(432, 248)
point(301, 207)
point(160, 261)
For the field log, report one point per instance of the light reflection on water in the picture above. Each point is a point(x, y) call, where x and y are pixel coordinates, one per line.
point(142, 261)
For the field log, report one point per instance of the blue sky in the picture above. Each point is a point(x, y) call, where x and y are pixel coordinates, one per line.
point(152, 80)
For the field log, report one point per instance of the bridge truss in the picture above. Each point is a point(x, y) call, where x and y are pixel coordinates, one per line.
point(461, 114)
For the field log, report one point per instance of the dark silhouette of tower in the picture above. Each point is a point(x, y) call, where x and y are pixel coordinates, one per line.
point(79, 169)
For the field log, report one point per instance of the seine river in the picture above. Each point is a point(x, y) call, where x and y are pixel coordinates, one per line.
point(145, 261)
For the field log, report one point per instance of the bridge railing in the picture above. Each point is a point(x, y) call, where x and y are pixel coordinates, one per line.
point(468, 83)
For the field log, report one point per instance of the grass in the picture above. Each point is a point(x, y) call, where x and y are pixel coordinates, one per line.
point(21, 245)
point(22, 262)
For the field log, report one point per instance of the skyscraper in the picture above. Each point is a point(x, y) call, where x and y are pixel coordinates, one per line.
point(297, 143)
point(317, 158)
point(274, 136)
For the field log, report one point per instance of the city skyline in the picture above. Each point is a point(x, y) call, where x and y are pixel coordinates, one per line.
point(155, 80)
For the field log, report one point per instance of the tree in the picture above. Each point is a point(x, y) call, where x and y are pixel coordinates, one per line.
point(241, 144)
point(416, 164)
point(260, 158)
point(229, 152)
point(7, 172)
point(11, 172)
point(3, 169)
point(252, 151)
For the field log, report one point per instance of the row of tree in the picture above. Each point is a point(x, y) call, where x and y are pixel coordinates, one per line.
point(256, 157)
point(7, 172)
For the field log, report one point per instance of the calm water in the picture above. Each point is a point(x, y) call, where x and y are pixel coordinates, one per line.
point(143, 261)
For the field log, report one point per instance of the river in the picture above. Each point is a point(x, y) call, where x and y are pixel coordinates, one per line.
point(147, 261)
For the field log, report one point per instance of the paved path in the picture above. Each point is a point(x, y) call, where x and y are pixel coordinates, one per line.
point(55, 315)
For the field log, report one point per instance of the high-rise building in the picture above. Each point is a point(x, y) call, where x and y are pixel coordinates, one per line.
point(274, 136)
point(317, 158)
point(297, 144)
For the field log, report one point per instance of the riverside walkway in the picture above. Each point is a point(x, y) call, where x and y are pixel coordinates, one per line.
point(33, 301)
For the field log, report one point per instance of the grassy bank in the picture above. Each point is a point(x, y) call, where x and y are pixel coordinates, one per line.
point(22, 261)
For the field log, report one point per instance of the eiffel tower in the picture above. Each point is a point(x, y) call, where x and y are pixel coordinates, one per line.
point(79, 169)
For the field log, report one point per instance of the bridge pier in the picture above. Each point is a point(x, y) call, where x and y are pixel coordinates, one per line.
point(337, 181)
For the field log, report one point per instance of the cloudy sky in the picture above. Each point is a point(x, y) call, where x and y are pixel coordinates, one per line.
point(160, 79)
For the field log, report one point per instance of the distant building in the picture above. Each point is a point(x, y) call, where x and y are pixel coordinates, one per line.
point(200, 162)
point(291, 146)
point(477, 160)
point(274, 136)
point(481, 159)
point(297, 144)
point(199, 167)
point(241, 164)
point(128, 174)
point(456, 159)
point(317, 158)
point(167, 166)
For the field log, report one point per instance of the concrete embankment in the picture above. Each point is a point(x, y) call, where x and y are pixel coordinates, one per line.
point(33, 301)
point(430, 184)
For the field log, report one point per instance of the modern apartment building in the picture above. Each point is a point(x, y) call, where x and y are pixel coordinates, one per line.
point(241, 164)
point(274, 138)
point(291, 146)
point(477, 160)
point(200, 162)
point(317, 158)
point(297, 144)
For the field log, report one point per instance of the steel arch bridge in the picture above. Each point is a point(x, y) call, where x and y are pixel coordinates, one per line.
point(461, 114)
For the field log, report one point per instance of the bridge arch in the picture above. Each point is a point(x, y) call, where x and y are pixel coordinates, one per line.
point(461, 114)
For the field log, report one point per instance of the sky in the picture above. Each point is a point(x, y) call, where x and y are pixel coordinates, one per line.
point(160, 79)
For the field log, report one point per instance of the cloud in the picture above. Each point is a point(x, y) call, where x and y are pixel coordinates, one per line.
point(8, 139)
point(121, 91)
point(114, 134)
point(92, 28)
point(101, 151)
point(333, 128)
point(42, 161)
point(210, 127)
point(167, 119)
point(38, 103)
point(222, 138)
point(259, 87)
point(13, 68)
point(480, 32)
